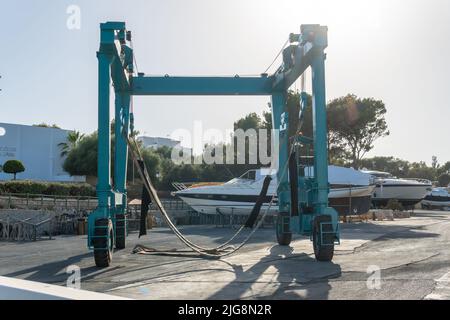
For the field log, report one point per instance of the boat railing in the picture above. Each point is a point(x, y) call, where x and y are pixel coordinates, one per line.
point(179, 186)
point(421, 180)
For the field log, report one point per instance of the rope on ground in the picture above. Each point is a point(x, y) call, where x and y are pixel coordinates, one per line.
point(224, 249)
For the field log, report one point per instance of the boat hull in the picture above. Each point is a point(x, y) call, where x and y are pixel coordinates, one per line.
point(407, 195)
point(345, 201)
point(436, 202)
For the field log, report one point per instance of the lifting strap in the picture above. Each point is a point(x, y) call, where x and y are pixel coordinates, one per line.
point(258, 204)
point(146, 200)
point(293, 180)
point(217, 252)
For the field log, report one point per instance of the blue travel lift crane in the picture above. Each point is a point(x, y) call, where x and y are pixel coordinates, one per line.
point(302, 201)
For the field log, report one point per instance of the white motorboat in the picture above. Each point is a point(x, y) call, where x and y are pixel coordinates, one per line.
point(438, 198)
point(408, 192)
point(350, 193)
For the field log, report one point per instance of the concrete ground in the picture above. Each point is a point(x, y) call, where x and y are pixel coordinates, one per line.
point(412, 257)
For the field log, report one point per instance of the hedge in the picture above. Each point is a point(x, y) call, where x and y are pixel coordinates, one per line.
point(48, 188)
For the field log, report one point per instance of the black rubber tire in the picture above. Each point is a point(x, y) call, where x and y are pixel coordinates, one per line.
point(283, 238)
point(103, 257)
point(121, 231)
point(322, 252)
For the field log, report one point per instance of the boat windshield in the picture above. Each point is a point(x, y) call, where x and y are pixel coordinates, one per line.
point(252, 176)
point(382, 175)
point(249, 175)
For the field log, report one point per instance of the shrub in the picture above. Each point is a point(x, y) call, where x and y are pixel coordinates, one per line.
point(13, 167)
point(394, 204)
point(47, 188)
point(444, 180)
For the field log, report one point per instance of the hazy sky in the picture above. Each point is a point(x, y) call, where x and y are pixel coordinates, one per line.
point(397, 51)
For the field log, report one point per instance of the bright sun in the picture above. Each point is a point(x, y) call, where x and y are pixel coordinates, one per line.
point(332, 12)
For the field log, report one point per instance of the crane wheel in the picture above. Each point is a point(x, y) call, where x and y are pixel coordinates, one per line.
point(283, 238)
point(103, 247)
point(323, 252)
point(121, 231)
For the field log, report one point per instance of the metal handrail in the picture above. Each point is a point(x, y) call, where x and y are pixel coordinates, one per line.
point(35, 195)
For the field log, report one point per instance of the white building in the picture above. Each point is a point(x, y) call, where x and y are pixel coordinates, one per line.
point(38, 149)
point(158, 142)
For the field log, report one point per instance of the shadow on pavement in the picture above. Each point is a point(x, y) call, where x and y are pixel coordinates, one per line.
point(407, 234)
point(286, 276)
point(55, 272)
point(360, 231)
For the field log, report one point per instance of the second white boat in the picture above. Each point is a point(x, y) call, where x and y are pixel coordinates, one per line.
point(408, 192)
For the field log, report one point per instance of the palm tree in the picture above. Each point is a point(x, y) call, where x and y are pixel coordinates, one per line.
point(73, 138)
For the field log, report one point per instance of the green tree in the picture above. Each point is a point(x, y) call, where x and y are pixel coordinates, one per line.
point(164, 152)
point(82, 159)
point(434, 162)
point(152, 162)
point(444, 180)
point(359, 122)
point(13, 167)
point(338, 153)
point(445, 168)
point(267, 119)
point(397, 167)
point(73, 138)
point(45, 125)
point(421, 170)
point(250, 121)
point(354, 124)
point(179, 173)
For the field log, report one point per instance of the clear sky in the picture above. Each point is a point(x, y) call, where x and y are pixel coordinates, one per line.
point(397, 51)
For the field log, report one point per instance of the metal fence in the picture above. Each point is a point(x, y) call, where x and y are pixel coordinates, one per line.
point(172, 204)
point(45, 202)
point(20, 226)
point(223, 220)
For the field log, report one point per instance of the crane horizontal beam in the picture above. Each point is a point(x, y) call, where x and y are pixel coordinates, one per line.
point(202, 86)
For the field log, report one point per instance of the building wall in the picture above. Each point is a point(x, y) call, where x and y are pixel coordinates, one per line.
point(38, 150)
point(157, 142)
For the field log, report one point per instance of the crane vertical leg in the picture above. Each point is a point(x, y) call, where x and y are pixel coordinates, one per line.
point(325, 224)
point(122, 120)
point(280, 124)
point(122, 123)
point(100, 228)
point(104, 138)
point(320, 133)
